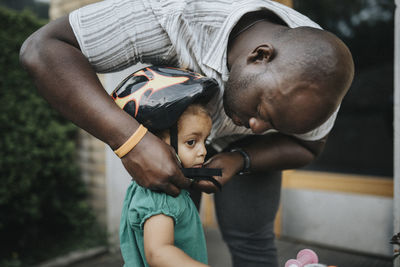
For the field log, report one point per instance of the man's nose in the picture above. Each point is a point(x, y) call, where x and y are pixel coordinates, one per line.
point(258, 126)
point(236, 120)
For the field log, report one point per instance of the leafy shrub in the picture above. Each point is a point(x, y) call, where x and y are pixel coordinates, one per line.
point(42, 207)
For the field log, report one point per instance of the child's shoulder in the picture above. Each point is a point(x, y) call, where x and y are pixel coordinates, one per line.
point(145, 203)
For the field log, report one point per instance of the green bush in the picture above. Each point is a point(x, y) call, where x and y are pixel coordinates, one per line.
point(42, 199)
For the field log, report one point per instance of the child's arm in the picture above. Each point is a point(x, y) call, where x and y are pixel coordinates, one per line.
point(159, 244)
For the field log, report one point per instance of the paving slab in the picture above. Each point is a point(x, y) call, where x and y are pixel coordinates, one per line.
point(218, 254)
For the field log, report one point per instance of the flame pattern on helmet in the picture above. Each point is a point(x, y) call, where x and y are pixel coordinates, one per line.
point(156, 96)
point(155, 83)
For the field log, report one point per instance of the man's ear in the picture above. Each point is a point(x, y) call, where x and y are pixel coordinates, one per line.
point(263, 53)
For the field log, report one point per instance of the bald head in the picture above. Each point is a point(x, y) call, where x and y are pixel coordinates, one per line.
point(301, 76)
point(315, 70)
point(315, 56)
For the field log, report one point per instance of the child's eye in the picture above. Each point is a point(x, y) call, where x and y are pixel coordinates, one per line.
point(190, 142)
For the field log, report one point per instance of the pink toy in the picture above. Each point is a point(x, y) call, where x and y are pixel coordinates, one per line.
point(305, 256)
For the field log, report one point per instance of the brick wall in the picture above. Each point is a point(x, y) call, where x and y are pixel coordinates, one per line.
point(91, 158)
point(91, 151)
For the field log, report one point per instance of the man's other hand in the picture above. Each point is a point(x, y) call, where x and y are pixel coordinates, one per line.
point(230, 163)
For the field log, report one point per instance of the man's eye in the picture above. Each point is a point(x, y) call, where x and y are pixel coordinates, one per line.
point(191, 142)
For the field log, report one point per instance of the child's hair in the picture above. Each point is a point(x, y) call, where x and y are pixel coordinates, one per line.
point(193, 109)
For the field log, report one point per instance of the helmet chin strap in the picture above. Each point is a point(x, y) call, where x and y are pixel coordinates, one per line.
point(206, 174)
point(194, 173)
point(173, 136)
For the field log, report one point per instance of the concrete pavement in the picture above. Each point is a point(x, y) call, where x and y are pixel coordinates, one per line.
point(219, 255)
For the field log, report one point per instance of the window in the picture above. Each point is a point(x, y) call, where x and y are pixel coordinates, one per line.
point(362, 140)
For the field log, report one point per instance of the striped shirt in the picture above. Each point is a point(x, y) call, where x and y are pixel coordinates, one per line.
point(193, 34)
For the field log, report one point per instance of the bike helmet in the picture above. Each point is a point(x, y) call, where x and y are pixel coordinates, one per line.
point(157, 96)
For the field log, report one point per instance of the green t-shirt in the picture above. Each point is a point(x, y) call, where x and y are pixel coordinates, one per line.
point(140, 204)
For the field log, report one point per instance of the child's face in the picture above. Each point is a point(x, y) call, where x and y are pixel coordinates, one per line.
point(193, 132)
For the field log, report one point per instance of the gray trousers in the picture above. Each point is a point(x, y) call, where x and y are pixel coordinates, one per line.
point(246, 210)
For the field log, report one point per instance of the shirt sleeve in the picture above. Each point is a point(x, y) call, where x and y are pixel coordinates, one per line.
point(146, 203)
point(321, 131)
point(114, 35)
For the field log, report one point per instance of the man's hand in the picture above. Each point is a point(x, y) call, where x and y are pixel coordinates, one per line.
point(229, 162)
point(269, 152)
point(154, 165)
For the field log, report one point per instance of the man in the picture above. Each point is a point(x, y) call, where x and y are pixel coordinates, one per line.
point(281, 77)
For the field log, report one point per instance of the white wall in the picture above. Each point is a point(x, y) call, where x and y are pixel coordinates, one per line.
point(348, 221)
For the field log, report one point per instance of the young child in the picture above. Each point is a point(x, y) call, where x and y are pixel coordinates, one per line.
point(157, 229)
point(160, 230)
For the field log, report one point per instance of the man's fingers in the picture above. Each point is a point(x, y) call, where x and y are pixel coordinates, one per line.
point(214, 163)
point(178, 179)
point(178, 160)
point(205, 186)
point(171, 189)
point(181, 181)
point(208, 163)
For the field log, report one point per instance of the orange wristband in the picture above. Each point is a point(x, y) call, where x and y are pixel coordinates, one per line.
point(131, 142)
